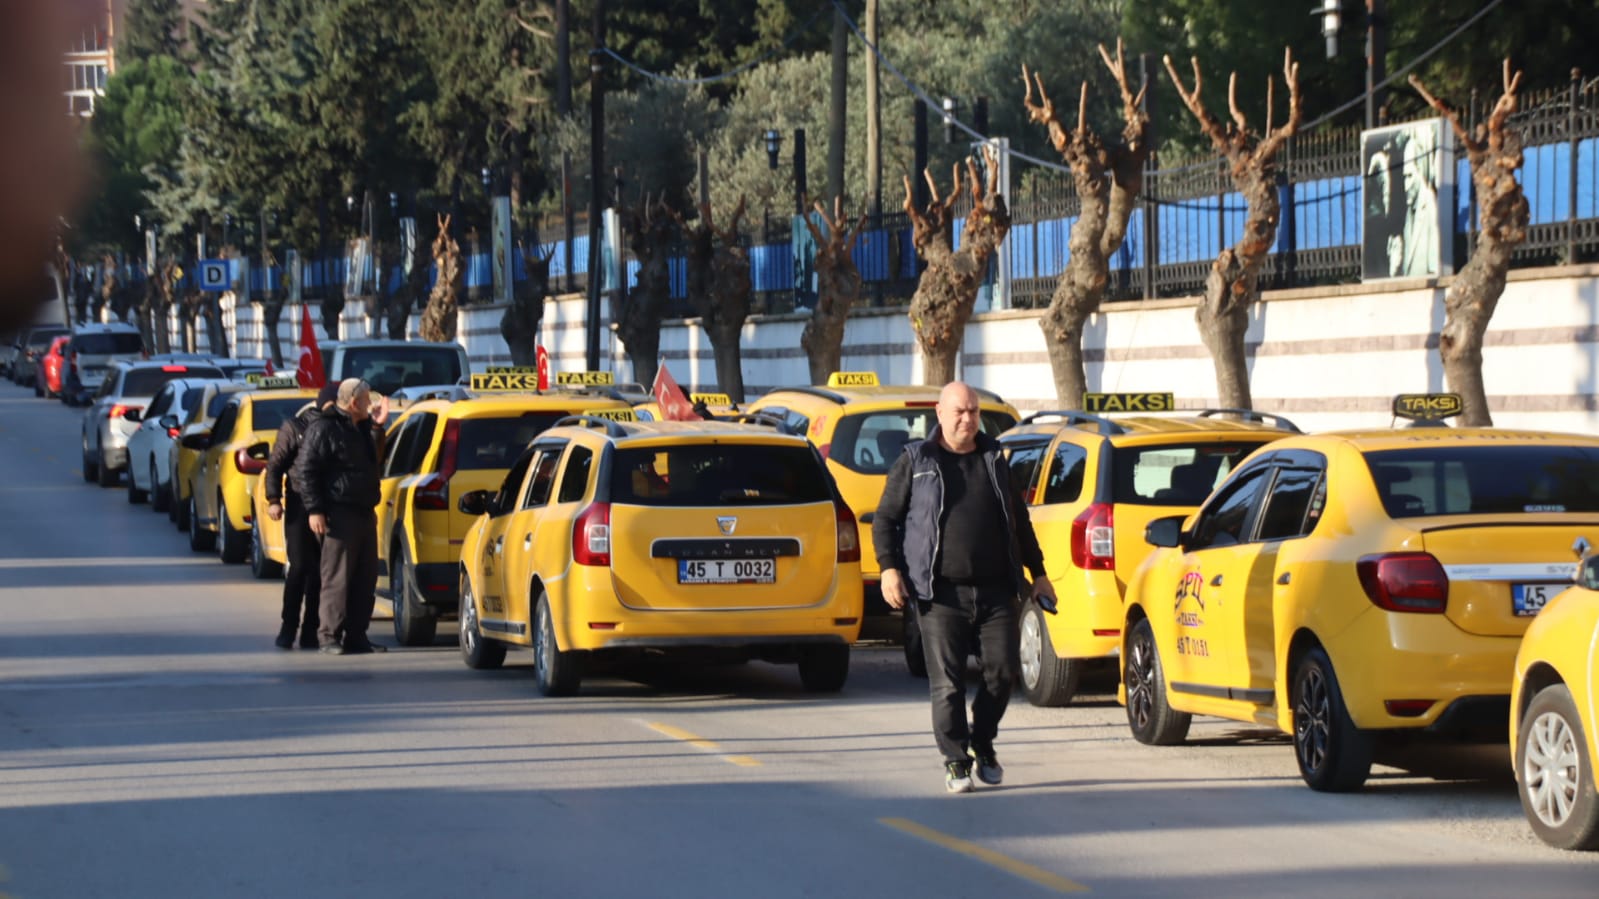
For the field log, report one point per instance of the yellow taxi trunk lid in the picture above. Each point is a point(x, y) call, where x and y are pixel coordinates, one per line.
point(1498, 563)
point(739, 558)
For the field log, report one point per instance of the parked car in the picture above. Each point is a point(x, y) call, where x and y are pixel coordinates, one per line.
point(150, 447)
point(22, 364)
point(388, 365)
point(114, 414)
point(47, 377)
point(89, 355)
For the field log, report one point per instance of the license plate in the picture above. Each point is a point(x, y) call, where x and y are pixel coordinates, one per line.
point(1529, 599)
point(727, 571)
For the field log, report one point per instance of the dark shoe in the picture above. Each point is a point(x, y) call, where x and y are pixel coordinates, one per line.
point(331, 649)
point(988, 768)
point(308, 640)
point(285, 637)
point(364, 648)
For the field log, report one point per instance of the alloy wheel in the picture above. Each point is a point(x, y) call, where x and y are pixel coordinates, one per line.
point(1032, 649)
point(1140, 676)
point(1312, 720)
point(1551, 769)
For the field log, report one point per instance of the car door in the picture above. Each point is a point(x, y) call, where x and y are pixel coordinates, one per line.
point(205, 485)
point(1056, 502)
point(392, 467)
point(141, 446)
point(522, 552)
point(1291, 509)
point(491, 555)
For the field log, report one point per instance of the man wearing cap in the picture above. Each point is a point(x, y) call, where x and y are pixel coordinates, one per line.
point(302, 580)
point(337, 477)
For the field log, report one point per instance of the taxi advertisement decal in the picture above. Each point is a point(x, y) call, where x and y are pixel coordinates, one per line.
point(1190, 587)
point(1129, 402)
point(586, 378)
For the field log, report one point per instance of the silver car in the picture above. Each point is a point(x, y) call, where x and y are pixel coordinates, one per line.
point(89, 355)
point(150, 447)
point(127, 387)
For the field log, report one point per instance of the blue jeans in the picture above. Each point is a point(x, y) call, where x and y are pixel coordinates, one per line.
point(960, 619)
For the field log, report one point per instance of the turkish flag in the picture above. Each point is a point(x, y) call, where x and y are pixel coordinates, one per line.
point(674, 404)
point(542, 357)
point(310, 373)
point(270, 371)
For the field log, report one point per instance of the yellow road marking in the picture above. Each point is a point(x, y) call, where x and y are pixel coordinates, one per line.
point(699, 742)
point(1046, 879)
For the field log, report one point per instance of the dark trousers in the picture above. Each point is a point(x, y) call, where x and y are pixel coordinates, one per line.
point(302, 579)
point(349, 575)
point(959, 618)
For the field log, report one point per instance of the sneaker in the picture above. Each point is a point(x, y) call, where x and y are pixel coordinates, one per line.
point(958, 777)
point(285, 637)
point(989, 770)
point(332, 649)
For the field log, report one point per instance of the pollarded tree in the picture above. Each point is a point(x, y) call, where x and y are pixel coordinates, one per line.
point(838, 286)
point(1109, 178)
point(947, 291)
point(439, 318)
point(1231, 289)
point(638, 311)
point(719, 291)
point(1495, 155)
point(520, 323)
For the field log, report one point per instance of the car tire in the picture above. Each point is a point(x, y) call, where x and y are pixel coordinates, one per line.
point(200, 539)
point(233, 546)
point(825, 668)
point(478, 652)
point(106, 476)
point(1334, 755)
point(1149, 716)
point(159, 499)
point(915, 660)
point(557, 672)
point(413, 626)
point(180, 513)
point(1553, 774)
point(91, 469)
point(1048, 679)
point(263, 567)
point(135, 495)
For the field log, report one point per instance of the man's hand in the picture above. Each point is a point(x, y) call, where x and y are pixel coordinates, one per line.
point(893, 588)
point(318, 523)
point(275, 511)
point(1044, 595)
point(380, 409)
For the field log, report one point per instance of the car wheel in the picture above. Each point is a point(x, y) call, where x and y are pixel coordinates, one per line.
point(261, 566)
point(478, 652)
point(135, 495)
point(180, 513)
point(91, 469)
point(159, 501)
point(1150, 717)
point(557, 672)
point(1048, 679)
point(823, 669)
point(1334, 756)
point(233, 546)
point(107, 476)
point(1553, 773)
point(915, 661)
point(413, 626)
point(200, 539)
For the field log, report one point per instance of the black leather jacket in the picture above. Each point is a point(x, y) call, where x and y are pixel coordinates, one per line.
point(337, 466)
point(279, 485)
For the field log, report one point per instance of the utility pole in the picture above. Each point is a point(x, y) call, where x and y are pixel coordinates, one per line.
point(1376, 57)
point(563, 107)
point(874, 121)
point(596, 183)
point(836, 118)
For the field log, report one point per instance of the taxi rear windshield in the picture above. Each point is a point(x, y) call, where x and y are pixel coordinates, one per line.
point(149, 381)
point(719, 474)
point(1486, 480)
point(1174, 474)
point(869, 442)
point(496, 442)
point(269, 415)
point(389, 368)
point(115, 343)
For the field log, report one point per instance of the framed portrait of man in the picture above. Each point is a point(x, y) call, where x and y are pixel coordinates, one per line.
point(1407, 200)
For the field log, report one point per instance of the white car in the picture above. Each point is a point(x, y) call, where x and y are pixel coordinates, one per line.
point(114, 414)
point(150, 447)
point(90, 354)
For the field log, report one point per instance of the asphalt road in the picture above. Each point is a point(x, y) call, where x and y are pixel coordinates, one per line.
point(154, 743)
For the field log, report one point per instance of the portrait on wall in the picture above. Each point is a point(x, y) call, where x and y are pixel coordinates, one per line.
point(1407, 200)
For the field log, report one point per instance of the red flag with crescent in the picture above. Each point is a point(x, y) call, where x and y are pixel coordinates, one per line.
point(542, 356)
point(674, 404)
point(309, 374)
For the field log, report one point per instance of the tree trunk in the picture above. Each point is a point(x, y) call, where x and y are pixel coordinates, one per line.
point(730, 310)
point(638, 312)
point(520, 323)
point(439, 318)
point(1080, 290)
point(838, 286)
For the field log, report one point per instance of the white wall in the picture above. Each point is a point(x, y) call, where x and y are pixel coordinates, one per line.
point(1326, 357)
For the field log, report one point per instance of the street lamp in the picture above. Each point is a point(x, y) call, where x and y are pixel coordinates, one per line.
point(951, 105)
point(1331, 19)
point(485, 174)
point(1331, 12)
point(774, 140)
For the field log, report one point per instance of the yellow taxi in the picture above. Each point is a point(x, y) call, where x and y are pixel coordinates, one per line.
point(861, 426)
point(183, 462)
point(1354, 587)
point(439, 448)
point(1554, 732)
point(616, 536)
point(1091, 483)
point(232, 453)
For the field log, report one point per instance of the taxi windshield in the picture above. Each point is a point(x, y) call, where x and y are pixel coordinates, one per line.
point(1175, 474)
point(269, 415)
point(718, 474)
point(869, 442)
point(1486, 480)
point(388, 368)
point(486, 443)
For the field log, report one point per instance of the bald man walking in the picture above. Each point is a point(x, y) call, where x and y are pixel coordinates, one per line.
point(953, 536)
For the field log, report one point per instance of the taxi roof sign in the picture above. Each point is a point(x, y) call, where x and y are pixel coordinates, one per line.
point(586, 378)
point(852, 379)
point(612, 414)
point(264, 382)
point(711, 399)
point(1428, 406)
point(488, 382)
point(1129, 402)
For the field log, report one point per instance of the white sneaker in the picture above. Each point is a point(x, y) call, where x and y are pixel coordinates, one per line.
point(958, 777)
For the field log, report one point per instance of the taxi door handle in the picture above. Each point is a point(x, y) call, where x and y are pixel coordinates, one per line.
point(527, 541)
point(1216, 581)
point(1283, 579)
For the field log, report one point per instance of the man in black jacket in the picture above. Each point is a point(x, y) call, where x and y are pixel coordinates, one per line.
point(337, 478)
point(302, 579)
point(953, 536)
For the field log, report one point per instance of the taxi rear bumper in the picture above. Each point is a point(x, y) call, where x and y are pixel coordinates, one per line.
point(438, 584)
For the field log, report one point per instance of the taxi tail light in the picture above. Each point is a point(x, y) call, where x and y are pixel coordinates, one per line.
point(1404, 582)
point(252, 460)
point(118, 410)
point(1094, 539)
point(849, 535)
point(174, 432)
point(433, 492)
point(591, 536)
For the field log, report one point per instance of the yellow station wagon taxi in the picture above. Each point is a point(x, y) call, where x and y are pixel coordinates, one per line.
point(1091, 484)
point(621, 536)
point(439, 449)
point(1554, 732)
point(861, 427)
point(232, 454)
point(1357, 586)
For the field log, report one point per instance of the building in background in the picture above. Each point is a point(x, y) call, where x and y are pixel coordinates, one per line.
point(89, 63)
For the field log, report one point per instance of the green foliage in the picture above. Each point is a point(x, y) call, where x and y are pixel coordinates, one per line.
point(138, 124)
point(151, 28)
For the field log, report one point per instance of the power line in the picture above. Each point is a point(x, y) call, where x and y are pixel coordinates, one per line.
point(734, 72)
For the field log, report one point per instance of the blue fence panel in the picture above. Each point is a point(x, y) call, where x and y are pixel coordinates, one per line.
point(1588, 178)
point(772, 267)
point(1054, 246)
point(677, 277)
point(871, 255)
point(1327, 213)
point(1131, 253)
point(479, 271)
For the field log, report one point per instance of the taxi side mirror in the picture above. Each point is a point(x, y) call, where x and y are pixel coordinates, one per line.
point(474, 502)
point(1165, 531)
point(1588, 573)
point(199, 440)
point(168, 421)
point(133, 415)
